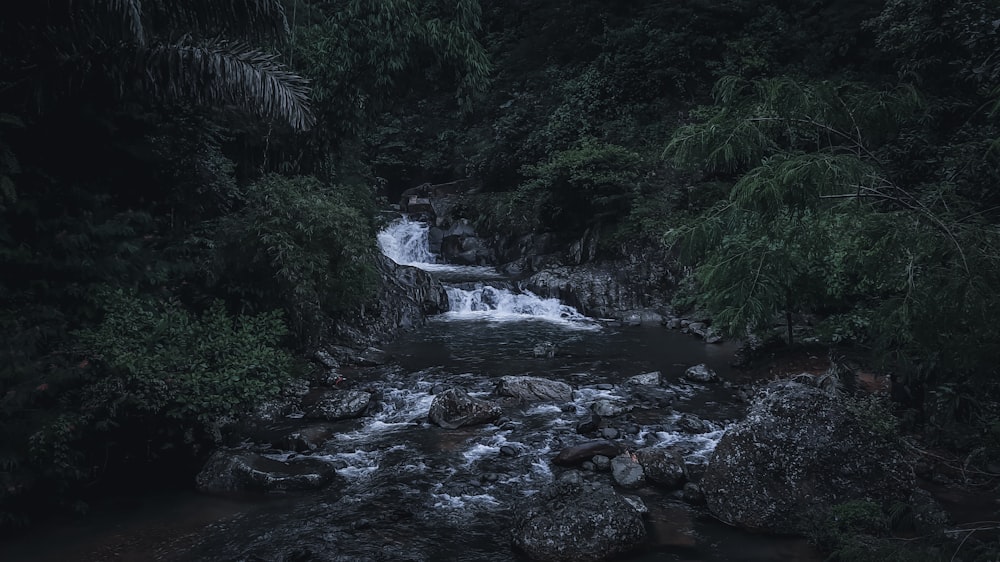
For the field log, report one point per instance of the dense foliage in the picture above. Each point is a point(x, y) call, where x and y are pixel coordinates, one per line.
point(184, 205)
point(203, 172)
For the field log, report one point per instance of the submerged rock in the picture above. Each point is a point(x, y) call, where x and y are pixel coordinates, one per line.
point(574, 522)
point(534, 389)
point(454, 408)
point(799, 450)
point(230, 470)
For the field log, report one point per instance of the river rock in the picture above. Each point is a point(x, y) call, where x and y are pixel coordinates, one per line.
point(534, 389)
point(662, 466)
point(578, 522)
point(690, 423)
point(602, 463)
point(308, 438)
point(700, 373)
point(693, 495)
point(571, 456)
point(645, 379)
point(799, 450)
point(608, 408)
point(455, 408)
point(229, 470)
point(626, 471)
point(336, 405)
point(589, 425)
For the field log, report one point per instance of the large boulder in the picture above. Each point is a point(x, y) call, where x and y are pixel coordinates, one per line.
point(619, 289)
point(578, 522)
point(235, 470)
point(799, 450)
point(406, 297)
point(455, 408)
point(534, 389)
point(663, 466)
point(339, 405)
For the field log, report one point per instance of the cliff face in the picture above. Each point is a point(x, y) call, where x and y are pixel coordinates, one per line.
point(406, 297)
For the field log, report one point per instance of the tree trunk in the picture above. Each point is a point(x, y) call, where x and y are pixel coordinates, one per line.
point(788, 313)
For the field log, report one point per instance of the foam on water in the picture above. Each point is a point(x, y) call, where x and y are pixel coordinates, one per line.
point(497, 304)
point(405, 242)
point(543, 409)
point(448, 501)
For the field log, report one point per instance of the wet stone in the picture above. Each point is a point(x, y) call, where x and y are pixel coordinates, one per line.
point(626, 471)
point(589, 425)
point(509, 451)
point(645, 379)
point(693, 495)
point(602, 463)
point(700, 373)
point(575, 454)
point(455, 408)
point(691, 423)
point(609, 433)
point(607, 408)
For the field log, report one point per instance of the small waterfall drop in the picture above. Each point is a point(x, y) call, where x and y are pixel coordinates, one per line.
point(405, 242)
point(498, 305)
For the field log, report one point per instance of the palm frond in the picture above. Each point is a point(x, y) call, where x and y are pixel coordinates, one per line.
point(222, 72)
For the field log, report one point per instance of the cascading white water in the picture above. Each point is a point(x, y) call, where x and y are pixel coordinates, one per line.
point(497, 304)
point(405, 242)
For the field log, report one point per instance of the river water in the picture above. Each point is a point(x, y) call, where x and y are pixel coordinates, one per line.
point(409, 490)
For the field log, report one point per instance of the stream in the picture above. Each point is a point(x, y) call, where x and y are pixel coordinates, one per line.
point(408, 490)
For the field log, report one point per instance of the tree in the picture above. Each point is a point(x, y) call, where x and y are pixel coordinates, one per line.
point(113, 51)
point(816, 219)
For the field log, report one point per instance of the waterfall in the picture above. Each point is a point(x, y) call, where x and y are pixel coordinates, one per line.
point(498, 304)
point(405, 242)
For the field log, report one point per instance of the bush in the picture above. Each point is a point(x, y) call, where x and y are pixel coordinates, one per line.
point(158, 362)
point(298, 245)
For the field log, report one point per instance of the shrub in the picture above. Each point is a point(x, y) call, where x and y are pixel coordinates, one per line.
point(299, 245)
point(155, 361)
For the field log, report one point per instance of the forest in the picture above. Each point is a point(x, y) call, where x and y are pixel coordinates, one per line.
point(189, 193)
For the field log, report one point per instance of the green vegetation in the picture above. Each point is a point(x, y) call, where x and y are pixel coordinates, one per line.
point(186, 194)
point(185, 205)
